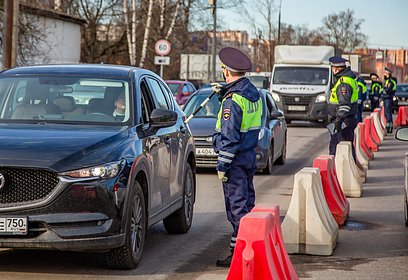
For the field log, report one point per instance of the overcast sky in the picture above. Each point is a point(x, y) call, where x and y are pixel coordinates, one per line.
point(386, 21)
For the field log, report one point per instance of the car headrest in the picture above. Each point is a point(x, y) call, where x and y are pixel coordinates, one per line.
point(66, 103)
point(36, 91)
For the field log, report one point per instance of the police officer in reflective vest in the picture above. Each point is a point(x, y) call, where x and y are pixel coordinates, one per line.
point(235, 140)
point(376, 89)
point(362, 96)
point(387, 95)
point(342, 104)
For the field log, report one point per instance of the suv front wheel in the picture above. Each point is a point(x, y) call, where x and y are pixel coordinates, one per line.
point(129, 255)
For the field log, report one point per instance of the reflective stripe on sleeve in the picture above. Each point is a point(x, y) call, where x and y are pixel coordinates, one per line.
point(227, 154)
point(224, 160)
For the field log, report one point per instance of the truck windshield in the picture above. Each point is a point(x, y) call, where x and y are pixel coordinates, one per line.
point(301, 76)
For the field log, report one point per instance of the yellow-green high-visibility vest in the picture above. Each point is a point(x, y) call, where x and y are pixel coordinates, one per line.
point(363, 87)
point(394, 86)
point(251, 113)
point(374, 85)
point(344, 80)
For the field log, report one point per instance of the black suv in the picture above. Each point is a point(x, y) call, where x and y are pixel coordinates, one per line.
point(90, 157)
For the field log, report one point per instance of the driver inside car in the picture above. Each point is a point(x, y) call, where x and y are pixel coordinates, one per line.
point(120, 108)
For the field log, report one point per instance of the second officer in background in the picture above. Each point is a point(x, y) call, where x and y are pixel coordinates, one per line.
point(387, 95)
point(238, 125)
point(376, 88)
point(342, 104)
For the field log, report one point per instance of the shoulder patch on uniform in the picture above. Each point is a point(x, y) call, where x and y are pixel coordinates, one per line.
point(226, 113)
point(343, 90)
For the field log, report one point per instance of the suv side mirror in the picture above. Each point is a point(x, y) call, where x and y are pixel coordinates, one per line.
point(402, 134)
point(163, 118)
point(276, 115)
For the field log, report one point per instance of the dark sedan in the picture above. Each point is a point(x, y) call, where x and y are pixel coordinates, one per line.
point(401, 96)
point(272, 137)
point(74, 176)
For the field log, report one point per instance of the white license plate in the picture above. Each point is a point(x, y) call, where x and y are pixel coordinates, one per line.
point(296, 108)
point(13, 225)
point(205, 152)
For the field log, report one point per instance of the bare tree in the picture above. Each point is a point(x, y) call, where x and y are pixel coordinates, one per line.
point(103, 37)
point(343, 30)
point(146, 34)
point(130, 29)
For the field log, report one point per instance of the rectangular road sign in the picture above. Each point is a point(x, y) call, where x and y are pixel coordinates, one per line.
point(162, 60)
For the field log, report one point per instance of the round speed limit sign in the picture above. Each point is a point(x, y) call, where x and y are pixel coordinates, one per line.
point(162, 47)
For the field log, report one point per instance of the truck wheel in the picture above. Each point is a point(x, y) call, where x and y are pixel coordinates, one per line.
point(181, 220)
point(269, 162)
point(129, 255)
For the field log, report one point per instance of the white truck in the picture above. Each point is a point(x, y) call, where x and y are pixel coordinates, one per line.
point(301, 80)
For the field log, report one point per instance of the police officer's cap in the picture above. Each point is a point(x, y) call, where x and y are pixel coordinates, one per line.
point(235, 60)
point(337, 61)
point(374, 74)
point(388, 70)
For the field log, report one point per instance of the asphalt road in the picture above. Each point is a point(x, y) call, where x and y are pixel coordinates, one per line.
point(373, 244)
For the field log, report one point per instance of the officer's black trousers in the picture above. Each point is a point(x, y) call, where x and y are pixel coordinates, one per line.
point(239, 192)
point(346, 134)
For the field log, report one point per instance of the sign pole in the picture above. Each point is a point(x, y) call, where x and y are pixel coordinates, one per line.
point(161, 70)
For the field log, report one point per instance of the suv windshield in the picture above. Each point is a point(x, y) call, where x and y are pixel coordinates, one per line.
point(210, 110)
point(301, 76)
point(64, 99)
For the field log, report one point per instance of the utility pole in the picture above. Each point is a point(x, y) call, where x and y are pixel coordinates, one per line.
point(11, 9)
point(213, 4)
point(279, 21)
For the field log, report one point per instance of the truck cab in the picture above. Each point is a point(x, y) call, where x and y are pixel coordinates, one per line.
point(301, 81)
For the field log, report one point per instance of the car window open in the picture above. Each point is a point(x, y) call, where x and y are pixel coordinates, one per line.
point(64, 99)
point(210, 110)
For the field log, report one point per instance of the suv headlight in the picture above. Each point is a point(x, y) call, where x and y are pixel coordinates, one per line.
point(321, 98)
point(105, 171)
point(275, 96)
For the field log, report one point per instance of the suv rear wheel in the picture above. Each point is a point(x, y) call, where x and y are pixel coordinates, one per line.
point(269, 162)
point(129, 255)
point(181, 220)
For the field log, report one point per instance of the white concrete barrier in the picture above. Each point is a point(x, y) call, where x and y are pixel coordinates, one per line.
point(347, 171)
point(377, 126)
point(360, 154)
point(309, 227)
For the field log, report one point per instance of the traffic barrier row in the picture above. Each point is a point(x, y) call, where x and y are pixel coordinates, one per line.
point(402, 117)
point(309, 227)
point(260, 252)
point(317, 208)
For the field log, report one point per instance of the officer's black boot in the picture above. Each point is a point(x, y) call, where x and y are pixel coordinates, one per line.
point(226, 262)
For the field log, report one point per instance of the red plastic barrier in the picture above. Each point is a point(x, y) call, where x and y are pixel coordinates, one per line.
point(337, 202)
point(402, 117)
point(363, 143)
point(379, 112)
point(290, 272)
point(398, 121)
point(367, 135)
point(383, 120)
point(258, 252)
point(374, 133)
